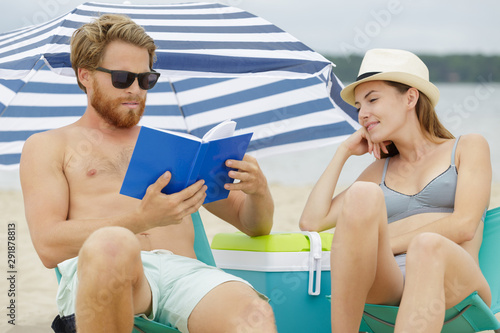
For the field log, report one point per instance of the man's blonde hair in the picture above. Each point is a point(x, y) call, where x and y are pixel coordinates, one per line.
point(90, 40)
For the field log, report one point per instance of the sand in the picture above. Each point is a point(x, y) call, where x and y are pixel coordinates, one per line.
point(35, 286)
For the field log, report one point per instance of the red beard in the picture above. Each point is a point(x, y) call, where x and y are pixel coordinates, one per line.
point(107, 109)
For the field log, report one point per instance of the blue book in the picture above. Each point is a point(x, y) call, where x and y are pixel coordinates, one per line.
point(187, 157)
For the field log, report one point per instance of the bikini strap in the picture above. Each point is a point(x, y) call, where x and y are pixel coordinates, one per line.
point(453, 151)
point(385, 169)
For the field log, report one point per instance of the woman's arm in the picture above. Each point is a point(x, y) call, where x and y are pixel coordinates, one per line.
point(321, 211)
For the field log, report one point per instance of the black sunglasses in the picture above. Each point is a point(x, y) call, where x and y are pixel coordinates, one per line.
point(124, 79)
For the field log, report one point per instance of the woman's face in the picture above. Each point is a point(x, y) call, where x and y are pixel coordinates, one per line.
point(381, 109)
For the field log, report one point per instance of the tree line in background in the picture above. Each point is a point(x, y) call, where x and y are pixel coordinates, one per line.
point(448, 68)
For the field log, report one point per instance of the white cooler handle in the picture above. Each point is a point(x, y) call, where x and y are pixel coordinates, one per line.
point(314, 262)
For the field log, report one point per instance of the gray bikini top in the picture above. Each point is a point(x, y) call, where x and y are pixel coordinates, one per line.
point(437, 196)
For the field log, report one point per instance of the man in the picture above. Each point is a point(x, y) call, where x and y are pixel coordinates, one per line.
point(79, 222)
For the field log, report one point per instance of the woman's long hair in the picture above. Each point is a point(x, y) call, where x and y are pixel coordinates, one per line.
point(427, 117)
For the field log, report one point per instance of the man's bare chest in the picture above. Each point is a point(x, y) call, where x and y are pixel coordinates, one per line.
point(103, 163)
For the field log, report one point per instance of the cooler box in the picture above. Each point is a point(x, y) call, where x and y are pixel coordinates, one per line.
point(292, 269)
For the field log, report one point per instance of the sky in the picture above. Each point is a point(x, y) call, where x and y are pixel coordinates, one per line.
point(337, 27)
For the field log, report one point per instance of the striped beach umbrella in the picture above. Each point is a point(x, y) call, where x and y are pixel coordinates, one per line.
point(217, 62)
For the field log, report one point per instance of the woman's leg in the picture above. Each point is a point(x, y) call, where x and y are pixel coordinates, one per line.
point(439, 274)
point(362, 263)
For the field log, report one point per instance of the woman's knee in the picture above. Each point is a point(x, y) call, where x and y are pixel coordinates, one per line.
point(425, 247)
point(363, 202)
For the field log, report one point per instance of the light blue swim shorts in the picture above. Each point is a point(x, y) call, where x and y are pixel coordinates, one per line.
point(177, 285)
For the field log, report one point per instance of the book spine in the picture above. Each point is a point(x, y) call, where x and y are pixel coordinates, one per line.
point(197, 164)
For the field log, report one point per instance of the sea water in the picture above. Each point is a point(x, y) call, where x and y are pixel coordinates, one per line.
point(462, 108)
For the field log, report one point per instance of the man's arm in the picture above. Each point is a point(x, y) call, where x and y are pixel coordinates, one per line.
point(47, 197)
point(249, 206)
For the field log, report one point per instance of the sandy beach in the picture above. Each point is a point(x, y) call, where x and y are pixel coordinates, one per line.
point(35, 286)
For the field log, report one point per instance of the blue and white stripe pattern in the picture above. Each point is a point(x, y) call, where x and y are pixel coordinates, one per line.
point(221, 62)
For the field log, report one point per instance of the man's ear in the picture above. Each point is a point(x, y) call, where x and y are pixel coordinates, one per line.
point(413, 95)
point(84, 77)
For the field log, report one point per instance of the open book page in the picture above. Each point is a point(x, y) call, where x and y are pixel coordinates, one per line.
point(223, 130)
point(181, 134)
point(187, 158)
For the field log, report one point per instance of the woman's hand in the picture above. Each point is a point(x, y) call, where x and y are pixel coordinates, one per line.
point(360, 143)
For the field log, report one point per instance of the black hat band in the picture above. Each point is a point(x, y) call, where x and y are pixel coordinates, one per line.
point(365, 75)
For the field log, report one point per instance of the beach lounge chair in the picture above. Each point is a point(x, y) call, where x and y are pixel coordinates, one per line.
point(470, 315)
point(203, 253)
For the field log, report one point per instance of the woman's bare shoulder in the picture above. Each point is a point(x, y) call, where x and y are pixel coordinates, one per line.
point(473, 140)
point(474, 150)
point(373, 173)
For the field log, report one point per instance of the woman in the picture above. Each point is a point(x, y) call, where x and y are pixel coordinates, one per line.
point(408, 231)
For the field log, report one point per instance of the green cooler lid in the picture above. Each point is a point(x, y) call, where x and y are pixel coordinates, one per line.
point(275, 242)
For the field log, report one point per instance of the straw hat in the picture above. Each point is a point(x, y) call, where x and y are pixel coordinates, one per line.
point(393, 65)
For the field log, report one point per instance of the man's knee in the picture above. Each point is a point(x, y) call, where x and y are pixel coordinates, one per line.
point(109, 247)
point(258, 316)
point(239, 309)
point(107, 268)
